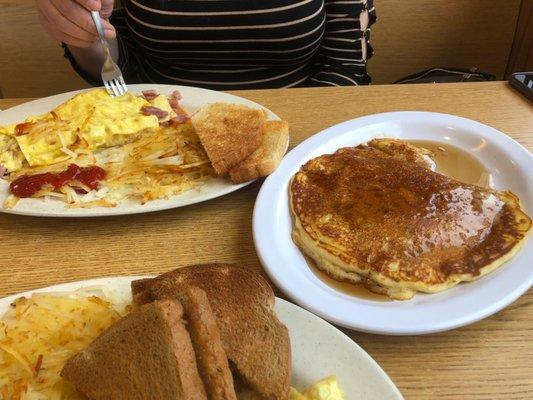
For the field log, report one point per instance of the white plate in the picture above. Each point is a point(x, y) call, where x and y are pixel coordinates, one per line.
point(193, 99)
point(512, 168)
point(318, 349)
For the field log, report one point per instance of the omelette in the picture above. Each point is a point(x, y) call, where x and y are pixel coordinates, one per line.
point(89, 120)
point(378, 215)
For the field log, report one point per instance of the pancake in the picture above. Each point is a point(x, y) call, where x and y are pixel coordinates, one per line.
point(378, 215)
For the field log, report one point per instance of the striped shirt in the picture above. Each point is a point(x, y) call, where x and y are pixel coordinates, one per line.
point(238, 44)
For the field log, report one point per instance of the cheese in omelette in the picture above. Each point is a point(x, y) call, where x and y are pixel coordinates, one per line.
point(90, 120)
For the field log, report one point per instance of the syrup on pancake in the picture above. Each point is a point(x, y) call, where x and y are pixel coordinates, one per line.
point(376, 214)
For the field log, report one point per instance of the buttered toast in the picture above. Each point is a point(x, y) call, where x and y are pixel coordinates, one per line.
point(266, 158)
point(229, 133)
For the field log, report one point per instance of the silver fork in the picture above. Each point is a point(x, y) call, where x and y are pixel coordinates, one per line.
point(111, 73)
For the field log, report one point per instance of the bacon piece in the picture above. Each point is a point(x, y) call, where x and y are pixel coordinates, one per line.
point(23, 128)
point(150, 94)
point(176, 95)
point(174, 103)
point(180, 118)
point(149, 110)
point(181, 114)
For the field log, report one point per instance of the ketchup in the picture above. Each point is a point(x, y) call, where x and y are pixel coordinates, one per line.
point(28, 185)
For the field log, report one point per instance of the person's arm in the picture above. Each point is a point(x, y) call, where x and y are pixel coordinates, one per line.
point(70, 22)
point(341, 59)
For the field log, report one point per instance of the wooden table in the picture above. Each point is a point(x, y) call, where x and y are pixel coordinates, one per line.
point(492, 359)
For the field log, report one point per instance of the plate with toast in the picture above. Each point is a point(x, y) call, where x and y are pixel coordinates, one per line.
point(211, 331)
point(400, 223)
point(84, 154)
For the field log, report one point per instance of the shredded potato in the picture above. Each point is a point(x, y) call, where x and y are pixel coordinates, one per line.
point(162, 164)
point(39, 334)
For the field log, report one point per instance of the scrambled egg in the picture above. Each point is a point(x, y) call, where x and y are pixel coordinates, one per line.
point(325, 389)
point(89, 120)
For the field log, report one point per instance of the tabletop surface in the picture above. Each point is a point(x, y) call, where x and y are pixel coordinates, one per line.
point(491, 359)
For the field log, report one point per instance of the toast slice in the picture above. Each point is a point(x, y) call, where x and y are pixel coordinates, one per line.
point(147, 355)
point(210, 355)
point(266, 158)
point(245, 391)
point(256, 342)
point(229, 133)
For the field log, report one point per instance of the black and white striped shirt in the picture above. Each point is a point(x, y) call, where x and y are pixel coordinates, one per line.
point(245, 44)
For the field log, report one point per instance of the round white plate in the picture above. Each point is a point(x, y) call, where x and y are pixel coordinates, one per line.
point(511, 166)
point(193, 99)
point(318, 349)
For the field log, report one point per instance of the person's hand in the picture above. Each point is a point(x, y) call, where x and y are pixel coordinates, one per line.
point(70, 21)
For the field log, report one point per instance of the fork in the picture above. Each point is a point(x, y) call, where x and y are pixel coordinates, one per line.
point(111, 73)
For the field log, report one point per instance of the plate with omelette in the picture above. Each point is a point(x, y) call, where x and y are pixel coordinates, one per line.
point(400, 223)
point(156, 147)
point(181, 335)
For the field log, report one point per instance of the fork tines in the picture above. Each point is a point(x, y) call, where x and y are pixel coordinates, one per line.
point(116, 87)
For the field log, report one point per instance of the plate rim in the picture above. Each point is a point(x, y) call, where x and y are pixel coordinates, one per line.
point(114, 212)
point(107, 281)
point(293, 160)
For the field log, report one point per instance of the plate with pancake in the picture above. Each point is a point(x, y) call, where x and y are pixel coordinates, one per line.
point(85, 154)
point(179, 335)
point(400, 223)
